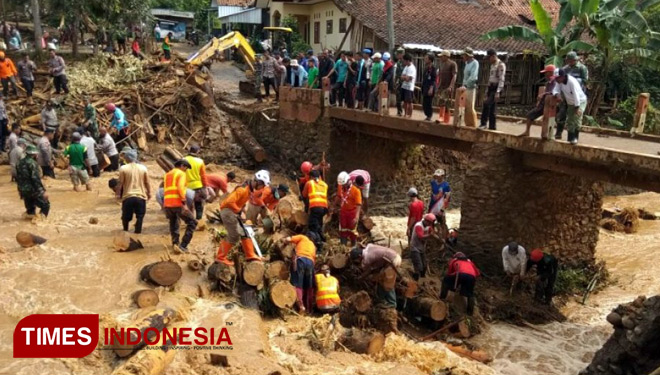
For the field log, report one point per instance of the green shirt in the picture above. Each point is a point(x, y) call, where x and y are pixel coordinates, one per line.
point(166, 43)
point(376, 72)
point(76, 153)
point(341, 68)
point(312, 74)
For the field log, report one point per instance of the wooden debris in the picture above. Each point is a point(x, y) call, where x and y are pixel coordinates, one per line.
point(277, 270)
point(164, 273)
point(247, 140)
point(157, 319)
point(360, 301)
point(339, 261)
point(429, 307)
point(363, 342)
point(26, 239)
point(123, 242)
point(476, 355)
point(282, 294)
point(145, 298)
point(195, 265)
point(93, 220)
point(220, 271)
point(219, 360)
point(464, 329)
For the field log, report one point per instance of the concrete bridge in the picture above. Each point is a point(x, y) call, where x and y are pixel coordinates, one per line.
point(543, 193)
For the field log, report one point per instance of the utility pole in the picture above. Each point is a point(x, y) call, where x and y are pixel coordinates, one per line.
point(390, 26)
point(36, 19)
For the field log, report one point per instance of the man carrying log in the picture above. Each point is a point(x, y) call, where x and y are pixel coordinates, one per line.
point(196, 177)
point(349, 200)
point(230, 210)
point(30, 187)
point(77, 154)
point(422, 231)
point(316, 192)
point(134, 190)
point(174, 204)
point(327, 291)
point(547, 268)
point(461, 274)
point(384, 262)
point(108, 147)
point(45, 157)
point(302, 269)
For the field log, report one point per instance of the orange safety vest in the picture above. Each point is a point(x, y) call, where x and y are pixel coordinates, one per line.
point(318, 194)
point(174, 188)
point(327, 292)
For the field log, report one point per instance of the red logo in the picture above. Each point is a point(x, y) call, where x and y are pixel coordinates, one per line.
point(56, 336)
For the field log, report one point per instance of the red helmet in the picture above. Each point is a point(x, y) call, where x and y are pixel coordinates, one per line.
point(429, 217)
point(110, 107)
point(536, 255)
point(306, 167)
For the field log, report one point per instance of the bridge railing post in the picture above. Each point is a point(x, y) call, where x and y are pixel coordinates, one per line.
point(325, 85)
point(383, 99)
point(549, 117)
point(640, 113)
point(459, 106)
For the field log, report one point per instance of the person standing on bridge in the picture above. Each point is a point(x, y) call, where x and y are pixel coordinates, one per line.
point(376, 74)
point(408, 77)
point(537, 112)
point(580, 72)
point(398, 66)
point(446, 83)
point(471, 84)
point(495, 86)
point(428, 86)
point(569, 90)
point(340, 69)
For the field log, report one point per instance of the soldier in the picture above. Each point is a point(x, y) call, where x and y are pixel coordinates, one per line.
point(30, 187)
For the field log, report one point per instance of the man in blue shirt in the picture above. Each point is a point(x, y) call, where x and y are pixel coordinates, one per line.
point(118, 121)
point(338, 88)
point(440, 193)
point(471, 84)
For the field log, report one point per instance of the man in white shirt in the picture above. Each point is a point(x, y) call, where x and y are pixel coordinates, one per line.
point(408, 84)
point(514, 259)
point(92, 160)
point(569, 89)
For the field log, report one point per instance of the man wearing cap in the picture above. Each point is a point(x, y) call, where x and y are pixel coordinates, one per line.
point(340, 69)
point(471, 84)
point(446, 82)
point(388, 72)
point(315, 194)
point(568, 90)
point(428, 86)
point(30, 187)
point(92, 160)
point(45, 156)
point(15, 156)
point(49, 120)
point(77, 155)
point(109, 148)
point(8, 74)
point(26, 69)
point(422, 231)
point(495, 86)
point(56, 66)
point(415, 210)
point(134, 190)
point(298, 77)
point(174, 204)
point(408, 77)
point(549, 72)
point(398, 65)
point(327, 291)
point(376, 73)
point(578, 71)
point(440, 193)
point(218, 182)
point(196, 179)
point(547, 268)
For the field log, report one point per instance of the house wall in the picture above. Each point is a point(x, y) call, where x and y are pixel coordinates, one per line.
point(321, 13)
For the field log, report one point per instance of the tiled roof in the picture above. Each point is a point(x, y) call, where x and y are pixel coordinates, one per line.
point(517, 8)
point(448, 24)
point(232, 3)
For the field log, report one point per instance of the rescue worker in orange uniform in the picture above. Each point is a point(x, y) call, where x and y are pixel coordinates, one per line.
point(306, 167)
point(302, 269)
point(230, 211)
point(8, 74)
point(316, 192)
point(349, 199)
point(264, 201)
point(327, 291)
point(196, 177)
point(174, 204)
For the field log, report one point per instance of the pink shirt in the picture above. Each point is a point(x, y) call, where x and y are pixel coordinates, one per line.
point(360, 172)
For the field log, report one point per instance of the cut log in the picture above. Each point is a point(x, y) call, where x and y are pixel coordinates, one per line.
point(384, 318)
point(26, 239)
point(248, 296)
point(164, 164)
point(145, 298)
point(163, 273)
point(282, 294)
point(147, 362)
point(190, 91)
point(368, 223)
point(253, 273)
point(277, 270)
point(363, 342)
point(360, 301)
point(124, 243)
point(429, 307)
point(195, 265)
point(157, 319)
point(477, 355)
point(348, 319)
point(142, 140)
point(245, 138)
point(222, 272)
point(411, 288)
point(172, 154)
point(464, 330)
point(388, 278)
point(339, 261)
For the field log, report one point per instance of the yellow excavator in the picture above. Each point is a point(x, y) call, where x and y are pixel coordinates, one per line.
point(218, 45)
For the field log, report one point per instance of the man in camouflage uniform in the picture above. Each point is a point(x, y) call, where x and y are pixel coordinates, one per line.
point(30, 187)
point(580, 72)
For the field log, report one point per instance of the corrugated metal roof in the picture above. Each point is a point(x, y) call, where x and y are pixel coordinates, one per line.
point(238, 3)
point(224, 11)
point(172, 13)
point(251, 15)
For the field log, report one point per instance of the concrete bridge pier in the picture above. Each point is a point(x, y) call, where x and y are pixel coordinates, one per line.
point(505, 201)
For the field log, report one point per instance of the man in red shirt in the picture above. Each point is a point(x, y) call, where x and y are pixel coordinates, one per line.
point(217, 183)
point(415, 210)
point(461, 273)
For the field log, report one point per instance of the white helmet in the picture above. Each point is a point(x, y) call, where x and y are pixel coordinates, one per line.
point(439, 172)
point(263, 176)
point(342, 179)
point(412, 192)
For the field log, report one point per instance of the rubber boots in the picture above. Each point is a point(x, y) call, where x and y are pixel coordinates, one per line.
point(248, 249)
point(447, 117)
point(223, 251)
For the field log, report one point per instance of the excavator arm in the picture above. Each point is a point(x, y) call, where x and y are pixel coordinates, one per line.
point(232, 39)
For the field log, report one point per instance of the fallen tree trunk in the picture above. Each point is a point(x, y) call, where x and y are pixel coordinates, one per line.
point(253, 273)
point(429, 307)
point(26, 239)
point(277, 270)
point(282, 294)
point(147, 362)
point(157, 319)
point(145, 298)
point(247, 141)
point(476, 355)
point(363, 342)
point(221, 272)
point(163, 273)
point(359, 302)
